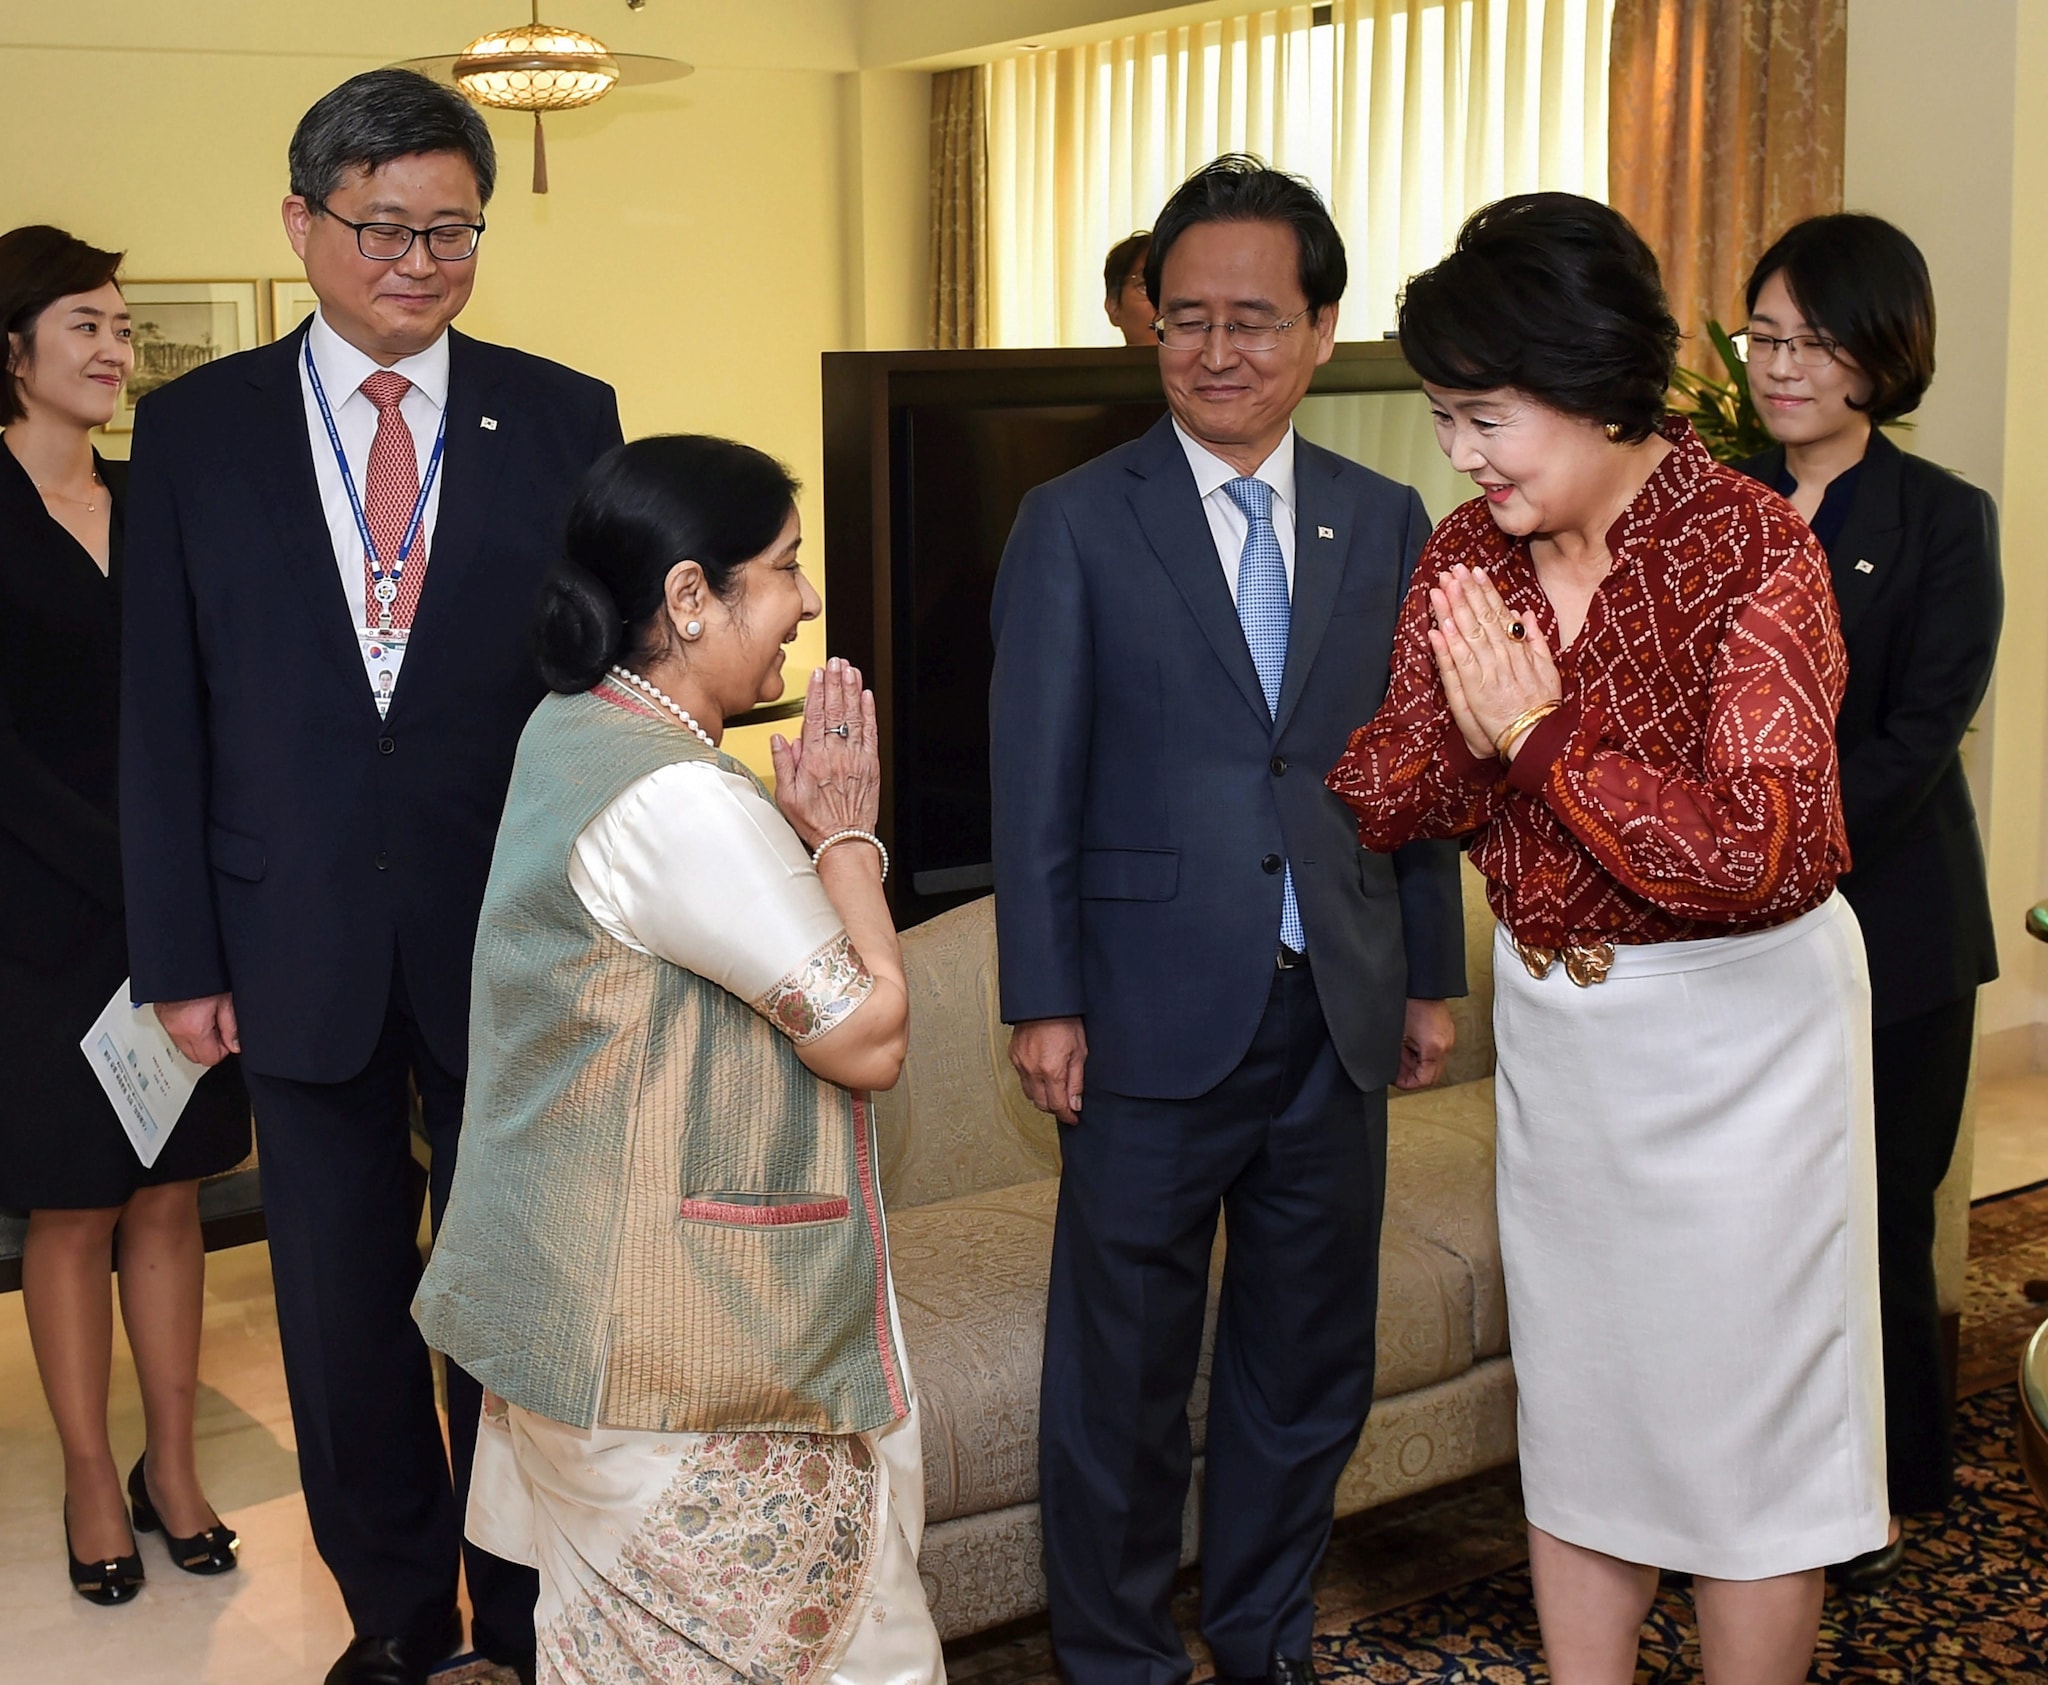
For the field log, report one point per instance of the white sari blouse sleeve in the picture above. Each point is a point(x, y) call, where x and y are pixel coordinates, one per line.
point(692, 865)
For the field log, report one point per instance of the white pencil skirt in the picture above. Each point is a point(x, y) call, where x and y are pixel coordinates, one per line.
point(1688, 1220)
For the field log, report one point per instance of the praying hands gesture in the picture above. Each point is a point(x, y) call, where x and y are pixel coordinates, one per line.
point(829, 777)
point(1495, 667)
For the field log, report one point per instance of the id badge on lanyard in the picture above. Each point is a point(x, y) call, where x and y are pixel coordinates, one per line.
point(383, 646)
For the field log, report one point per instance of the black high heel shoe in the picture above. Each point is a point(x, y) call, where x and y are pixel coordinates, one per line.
point(115, 1580)
point(210, 1552)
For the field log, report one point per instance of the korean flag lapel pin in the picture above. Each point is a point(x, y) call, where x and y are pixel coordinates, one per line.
point(488, 423)
point(1326, 532)
point(1865, 567)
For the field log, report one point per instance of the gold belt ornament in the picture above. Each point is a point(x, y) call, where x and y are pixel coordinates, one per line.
point(1585, 966)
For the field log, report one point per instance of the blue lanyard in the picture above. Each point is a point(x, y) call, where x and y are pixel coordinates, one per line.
point(378, 572)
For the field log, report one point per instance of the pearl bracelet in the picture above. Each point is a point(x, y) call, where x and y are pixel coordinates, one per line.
point(838, 837)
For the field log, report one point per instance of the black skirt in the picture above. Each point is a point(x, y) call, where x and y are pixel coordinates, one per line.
point(61, 1144)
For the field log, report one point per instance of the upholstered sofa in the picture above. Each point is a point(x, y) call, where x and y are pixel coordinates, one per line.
point(971, 1173)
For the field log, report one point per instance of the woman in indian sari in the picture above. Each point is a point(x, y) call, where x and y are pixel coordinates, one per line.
point(665, 1255)
point(1616, 674)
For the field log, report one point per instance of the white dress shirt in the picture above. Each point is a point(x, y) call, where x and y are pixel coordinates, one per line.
point(343, 369)
point(1227, 523)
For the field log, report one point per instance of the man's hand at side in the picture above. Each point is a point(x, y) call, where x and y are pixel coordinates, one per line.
point(204, 1029)
point(1050, 1055)
point(1427, 1035)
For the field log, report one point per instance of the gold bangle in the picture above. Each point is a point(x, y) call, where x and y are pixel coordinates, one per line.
point(1521, 723)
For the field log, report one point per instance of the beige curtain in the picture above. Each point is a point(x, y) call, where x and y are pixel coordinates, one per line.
point(1406, 114)
point(1725, 127)
point(959, 210)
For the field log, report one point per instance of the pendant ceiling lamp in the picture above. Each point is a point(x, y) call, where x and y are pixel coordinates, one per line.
point(539, 67)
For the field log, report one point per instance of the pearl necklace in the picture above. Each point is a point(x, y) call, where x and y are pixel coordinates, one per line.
point(638, 683)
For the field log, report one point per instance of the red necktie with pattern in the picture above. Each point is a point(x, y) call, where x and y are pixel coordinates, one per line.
point(393, 487)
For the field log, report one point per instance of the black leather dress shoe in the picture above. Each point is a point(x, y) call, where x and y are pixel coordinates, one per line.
point(395, 1661)
point(210, 1552)
point(1280, 1670)
point(1870, 1571)
point(115, 1580)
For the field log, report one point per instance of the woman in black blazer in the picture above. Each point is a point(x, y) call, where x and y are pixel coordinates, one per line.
point(1840, 342)
point(64, 1157)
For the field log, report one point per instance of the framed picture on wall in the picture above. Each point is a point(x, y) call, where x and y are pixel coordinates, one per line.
point(178, 325)
point(291, 302)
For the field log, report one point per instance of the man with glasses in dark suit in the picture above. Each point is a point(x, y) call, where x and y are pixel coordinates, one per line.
point(335, 546)
point(1211, 984)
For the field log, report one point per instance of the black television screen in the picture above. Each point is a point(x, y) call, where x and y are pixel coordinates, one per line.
point(965, 468)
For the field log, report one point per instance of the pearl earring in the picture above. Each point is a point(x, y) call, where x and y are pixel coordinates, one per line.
point(693, 628)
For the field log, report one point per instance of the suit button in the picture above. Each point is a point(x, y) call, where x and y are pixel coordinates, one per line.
point(385, 745)
point(1272, 863)
point(382, 862)
point(1279, 765)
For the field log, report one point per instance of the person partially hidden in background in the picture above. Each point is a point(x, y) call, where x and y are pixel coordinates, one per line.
point(1124, 299)
point(1186, 630)
point(1840, 343)
point(64, 1157)
point(374, 497)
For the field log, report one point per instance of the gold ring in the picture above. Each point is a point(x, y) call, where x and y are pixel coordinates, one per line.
point(1516, 631)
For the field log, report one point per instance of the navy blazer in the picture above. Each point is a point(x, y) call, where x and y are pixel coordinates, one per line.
point(1144, 797)
point(279, 839)
point(1917, 580)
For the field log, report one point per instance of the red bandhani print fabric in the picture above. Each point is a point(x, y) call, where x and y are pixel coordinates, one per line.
point(1688, 786)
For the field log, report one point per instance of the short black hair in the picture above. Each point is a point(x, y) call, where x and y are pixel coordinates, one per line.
point(381, 115)
point(1552, 294)
point(1127, 251)
point(39, 265)
point(1240, 188)
point(643, 507)
point(1865, 285)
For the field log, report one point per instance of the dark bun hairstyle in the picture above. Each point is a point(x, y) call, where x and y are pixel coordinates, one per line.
point(1864, 284)
point(1554, 295)
point(642, 508)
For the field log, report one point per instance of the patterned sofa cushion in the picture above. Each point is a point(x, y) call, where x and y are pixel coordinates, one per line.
point(971, 1277)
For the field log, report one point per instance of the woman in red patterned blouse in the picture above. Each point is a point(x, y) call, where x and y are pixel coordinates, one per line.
point(1616, 673)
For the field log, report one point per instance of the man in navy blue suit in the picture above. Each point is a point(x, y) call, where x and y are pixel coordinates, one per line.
point(335, 544)
point(1187, 630)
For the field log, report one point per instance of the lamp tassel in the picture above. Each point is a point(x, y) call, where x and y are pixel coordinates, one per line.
point(540, 156)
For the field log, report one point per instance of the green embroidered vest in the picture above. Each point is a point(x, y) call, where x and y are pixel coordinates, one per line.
point(660, 1218)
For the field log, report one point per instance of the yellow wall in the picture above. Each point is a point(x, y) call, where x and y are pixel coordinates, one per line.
point(1948, 137)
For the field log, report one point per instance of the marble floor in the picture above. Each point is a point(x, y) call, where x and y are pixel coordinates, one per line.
point(279, 1620)
point(2012, 1135)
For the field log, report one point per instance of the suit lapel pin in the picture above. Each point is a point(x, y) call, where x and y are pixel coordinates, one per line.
point(1865, 567)
point(489, 424)
point(1325, 532)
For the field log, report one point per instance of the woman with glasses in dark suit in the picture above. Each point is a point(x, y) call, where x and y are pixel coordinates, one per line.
point(1841, 343)
point(64, 1157)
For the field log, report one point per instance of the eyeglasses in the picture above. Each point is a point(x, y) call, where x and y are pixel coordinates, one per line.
point(1809, 350)
point(1185, 333)
point(387, 242)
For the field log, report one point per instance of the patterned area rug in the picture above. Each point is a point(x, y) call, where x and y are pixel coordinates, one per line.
point(1972, 1607)
point(2008, 1248)
point(1434, 1589)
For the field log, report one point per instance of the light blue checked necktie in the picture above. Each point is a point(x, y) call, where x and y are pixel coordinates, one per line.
point(1263, 612)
